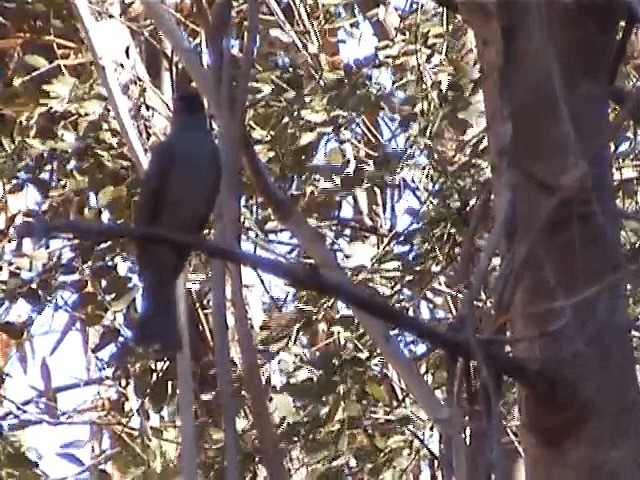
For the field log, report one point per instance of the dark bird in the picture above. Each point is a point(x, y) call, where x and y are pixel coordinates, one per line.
point(178, 194)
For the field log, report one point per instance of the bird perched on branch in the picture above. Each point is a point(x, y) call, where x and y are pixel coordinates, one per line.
point(178, 194)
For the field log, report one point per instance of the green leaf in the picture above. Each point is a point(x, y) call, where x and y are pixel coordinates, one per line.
point(283, 405)
point(110, 194)
point(352, 409)
point(378, 392)
point(60, 87)
point(314, 116)
point(91, 107)
point(36, 61)
point(123, 301)
point(335, 156)
point(307, 137)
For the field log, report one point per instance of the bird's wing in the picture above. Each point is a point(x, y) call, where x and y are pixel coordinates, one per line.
point(210, 202)
point(151, 191)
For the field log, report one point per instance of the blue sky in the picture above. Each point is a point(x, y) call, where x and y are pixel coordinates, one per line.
point(67, 365)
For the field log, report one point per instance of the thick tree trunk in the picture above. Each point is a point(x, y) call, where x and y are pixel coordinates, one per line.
point(564, 246)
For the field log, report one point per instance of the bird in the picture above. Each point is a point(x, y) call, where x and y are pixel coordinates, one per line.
point(177, 194)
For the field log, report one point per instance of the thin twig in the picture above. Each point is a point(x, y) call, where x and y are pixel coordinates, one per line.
point(57, 390)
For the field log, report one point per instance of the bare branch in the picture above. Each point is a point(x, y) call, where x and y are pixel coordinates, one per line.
point(247, 61)
point(308, 277)
point(189, 451)
point(167, 25)
point(117, 99)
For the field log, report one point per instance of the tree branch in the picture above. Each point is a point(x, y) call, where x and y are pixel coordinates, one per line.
point(308, 277)
point(118, 101)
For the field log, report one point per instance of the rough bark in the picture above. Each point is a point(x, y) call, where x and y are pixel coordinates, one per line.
point(564, 249)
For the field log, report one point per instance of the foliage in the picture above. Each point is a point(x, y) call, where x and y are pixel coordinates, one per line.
point(15, 462)
point(338, 403)
point(338, 400)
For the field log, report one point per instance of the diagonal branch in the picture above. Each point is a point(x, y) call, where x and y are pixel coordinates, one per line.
point(308, 277)
point(106, 70)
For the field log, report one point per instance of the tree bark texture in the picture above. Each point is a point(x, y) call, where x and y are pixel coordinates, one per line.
point(567, 303)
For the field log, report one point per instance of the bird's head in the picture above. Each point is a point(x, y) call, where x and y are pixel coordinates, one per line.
point(188, 109)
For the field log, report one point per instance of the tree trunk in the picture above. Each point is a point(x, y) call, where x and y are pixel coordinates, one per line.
point(567, 293)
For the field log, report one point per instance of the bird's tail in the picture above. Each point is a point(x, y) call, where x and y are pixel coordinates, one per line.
point(157, 327)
